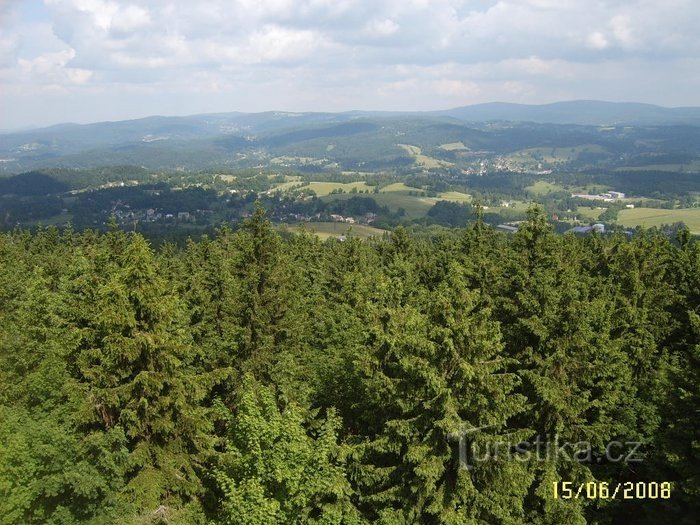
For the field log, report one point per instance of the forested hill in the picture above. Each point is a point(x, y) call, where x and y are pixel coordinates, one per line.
point(227, 140)
point(250, 379)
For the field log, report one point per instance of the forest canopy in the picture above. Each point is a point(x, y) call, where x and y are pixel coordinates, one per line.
point(254, 379)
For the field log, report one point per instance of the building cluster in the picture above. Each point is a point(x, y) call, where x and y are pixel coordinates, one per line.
point(509, 227)
point(367, 218)
point(610, 196)
point(599, 228)
point(124, 214)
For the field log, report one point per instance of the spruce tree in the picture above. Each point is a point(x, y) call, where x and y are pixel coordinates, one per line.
point(278, 468)
point(434, 368)
point(135, 372)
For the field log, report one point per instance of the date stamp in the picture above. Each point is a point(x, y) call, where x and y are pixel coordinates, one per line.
point(605, 490)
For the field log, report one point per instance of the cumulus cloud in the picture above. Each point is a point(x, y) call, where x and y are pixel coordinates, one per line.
point(597, 40)
point(456, 88)
point(413, 52)
point(382, 28)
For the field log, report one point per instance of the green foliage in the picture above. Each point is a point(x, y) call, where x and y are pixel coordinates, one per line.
point(277, 468)
point(247, 378)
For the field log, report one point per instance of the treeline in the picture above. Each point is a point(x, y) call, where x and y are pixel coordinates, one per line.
point(254, 380)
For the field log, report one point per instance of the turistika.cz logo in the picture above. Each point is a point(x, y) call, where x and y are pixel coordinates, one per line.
point(547, 448)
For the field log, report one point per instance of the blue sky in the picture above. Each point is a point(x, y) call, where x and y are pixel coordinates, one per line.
point(91, 60)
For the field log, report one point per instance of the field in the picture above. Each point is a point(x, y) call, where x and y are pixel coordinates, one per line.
point(656, 217)
point(690, 167)
point(454, 146)
point(454, 196)
point(555, 155)
point(290, 181)
point(424, 160)
point(589, 213)
point(397, 195)
point(543, 187)
point(326, 188)
point(326, 230)
point(514, 208)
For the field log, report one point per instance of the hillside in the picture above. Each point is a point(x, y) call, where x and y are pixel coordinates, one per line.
point(355, 140)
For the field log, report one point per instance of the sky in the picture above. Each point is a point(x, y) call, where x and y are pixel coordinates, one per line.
point(94, 60)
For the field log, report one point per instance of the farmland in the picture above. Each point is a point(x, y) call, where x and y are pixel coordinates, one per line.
point(399, 196)
point(589, 213)
point(556, 155)
point(424, 160)
point(649, 217)
point(326, 230)
point(543, 187)
point(326, 188)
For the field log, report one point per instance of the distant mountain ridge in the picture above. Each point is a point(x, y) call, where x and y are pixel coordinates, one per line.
point(227, 139)
point(583, 112)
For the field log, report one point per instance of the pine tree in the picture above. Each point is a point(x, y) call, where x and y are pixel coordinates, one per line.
point(559, 326)
point(135, 371)
point(434, 368)
point(278, 469)
point(49, 472)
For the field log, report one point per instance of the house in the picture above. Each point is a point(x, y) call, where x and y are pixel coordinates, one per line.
point(583, 230)
point(507, 229)
point(610, 196)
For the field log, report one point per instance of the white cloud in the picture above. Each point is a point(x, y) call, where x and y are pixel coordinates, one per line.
point(597, 41)
point(343, 54)
point(456, 88)
point(51, 69)
point(623, 31)
point(129, 19)
point(275, 43)
point(382, 28)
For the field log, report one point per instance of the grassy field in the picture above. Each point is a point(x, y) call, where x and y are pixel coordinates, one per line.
point(555, 155)
point(543, 187)
point(454, 196)
point(424, 160)
point(656, 217)
point(516, 206)
point(691, 167)
point(397, 195)
point(327, 230)
point(415, 207)
point(401, 188)
point(454, 146)
point(325, 188)
point(589, 213)
point(397, 187)
point(290, 181)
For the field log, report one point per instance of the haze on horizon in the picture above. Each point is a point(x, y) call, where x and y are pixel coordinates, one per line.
point(94, 60)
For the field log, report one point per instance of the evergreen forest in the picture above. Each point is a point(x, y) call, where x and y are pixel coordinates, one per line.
point(257, 377)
